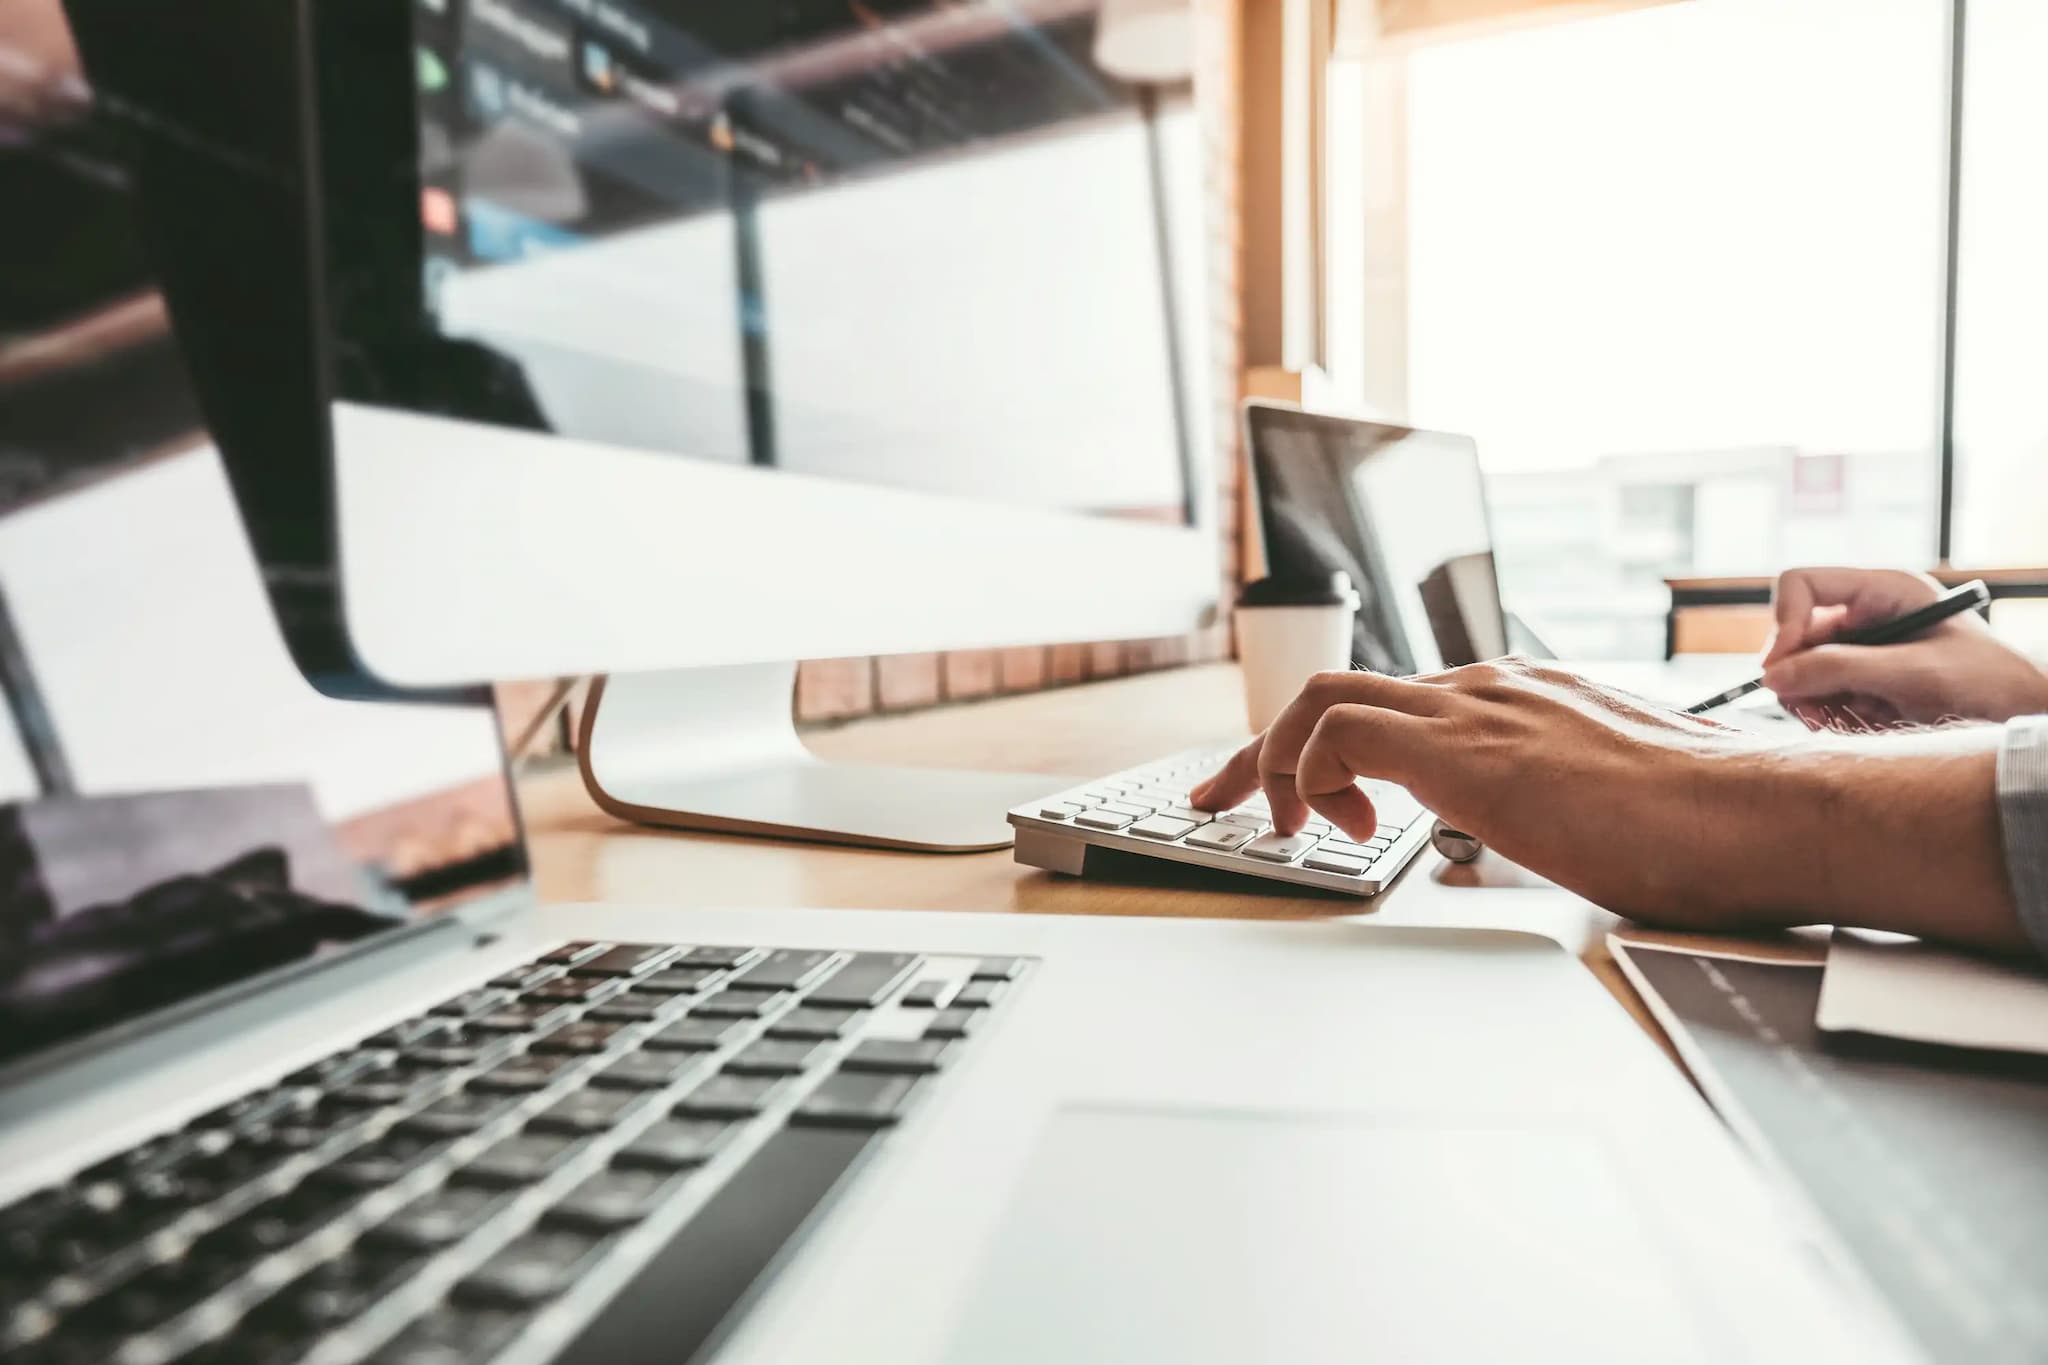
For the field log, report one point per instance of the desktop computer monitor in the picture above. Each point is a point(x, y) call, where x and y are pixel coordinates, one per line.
point(685, 336)
point(680, 341)
point(681, 334)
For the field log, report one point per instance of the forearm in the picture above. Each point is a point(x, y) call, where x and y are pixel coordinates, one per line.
point(1896, 832)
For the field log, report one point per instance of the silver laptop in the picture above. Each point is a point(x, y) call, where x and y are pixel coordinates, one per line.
point(295, 1068)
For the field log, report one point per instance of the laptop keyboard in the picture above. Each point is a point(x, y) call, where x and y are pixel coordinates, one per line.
point(635, 1123)
point(1145, 811)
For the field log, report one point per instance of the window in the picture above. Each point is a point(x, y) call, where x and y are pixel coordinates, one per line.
point(1680, 272)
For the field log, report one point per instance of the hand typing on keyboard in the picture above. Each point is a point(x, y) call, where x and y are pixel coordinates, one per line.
point(1668, 818)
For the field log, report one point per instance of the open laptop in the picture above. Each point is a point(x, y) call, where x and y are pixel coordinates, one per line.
point(295, 1068)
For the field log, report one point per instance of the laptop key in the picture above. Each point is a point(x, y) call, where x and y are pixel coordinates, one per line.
point(731, 1004)
point(372, 1094)
point(523, 978)
point(585, 1035)
point(532, 1269)
point(628, 959)
point(977, 995)
point(728, 1097)
point(805, 1022)
point(952, 1023)
point(518, 1160)
point(851, 1099)
point(587, 1111)
point(784, 969)
point(525, 1016)
point(463, 1112)
point(576, 990)
point(481, 1001)
point(927, 995)
point(998, 969)
point(644, 1071)
point(679, 980)
point(674, 1144)
point(718, 957)
point(693, 1033)
point(439, 1219)
point(865, 981)
point(775, 1057)
point(611, 1200)
point(452, 1335)
point(383, 1161)
point(534, 1071)
point(631, 1008)
point(569, 954)
point(909, 1056)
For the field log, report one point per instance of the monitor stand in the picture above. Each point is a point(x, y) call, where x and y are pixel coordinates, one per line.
point(717, 749)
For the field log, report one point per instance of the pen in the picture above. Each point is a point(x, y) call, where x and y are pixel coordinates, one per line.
point(1971, 596)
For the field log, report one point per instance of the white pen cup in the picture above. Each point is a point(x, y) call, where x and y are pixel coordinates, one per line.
point(1289, 629)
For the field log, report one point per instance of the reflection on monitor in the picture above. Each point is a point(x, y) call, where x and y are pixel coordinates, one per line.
point(917, 245)
point(1403, 512)
point(180, 811)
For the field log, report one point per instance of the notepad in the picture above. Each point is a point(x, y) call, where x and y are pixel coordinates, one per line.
point(1896, 987)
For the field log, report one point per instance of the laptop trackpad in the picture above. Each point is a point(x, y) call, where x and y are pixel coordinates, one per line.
point(1197, 1236)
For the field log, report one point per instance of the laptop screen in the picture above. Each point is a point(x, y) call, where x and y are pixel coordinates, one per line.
point(1402, 511)
point(180, 811)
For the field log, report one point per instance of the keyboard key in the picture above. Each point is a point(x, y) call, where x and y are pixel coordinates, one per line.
point(1059, 810)
point(866, 980)
point(372, 1094)
point(452, 1335)
point(850, 1099)
point(728, 1097)
point(1135, 809)
point(1160, 827)
point(644, 1071)
point(576, 990)
point(611, 1200)
point(979, 994)
point(587, 1111)
point(775, 1057)
point(1221, 836)
point(463, 1112)
point(1344, 848)
point(1082, 799)
point(585, 1035)
point(518, 1160)
point(926, 995)
point(526, 1016)
point(1321, 861)
point(805, 1022)
point(473, 1002)
point(1179, 810)
point(1280, 848)
point(331, 1294)
point(569, 954)
point(675, 1144)
point(998, 969)
point(785, 969)
point(693, 1033)
point(738, 1005)
point(534, 1071)
point(909, 1056)
point(628, 959)
point(1244, 820)
point(383, 1161)
point(532, 1269)
point(1104, 818)
point(718, 957)
point(952, 1023)
point(633, 1008)
point(678, 980)
point(698, 1276)
point(523, 978)
point(439, 1219)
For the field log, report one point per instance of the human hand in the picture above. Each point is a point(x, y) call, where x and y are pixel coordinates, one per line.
point(1955, 669)
point(1644, 810)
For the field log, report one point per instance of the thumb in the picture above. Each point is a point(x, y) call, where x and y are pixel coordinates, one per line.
point(1887, 671)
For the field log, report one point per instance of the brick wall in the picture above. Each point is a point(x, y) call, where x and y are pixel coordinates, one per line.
point(839, 689)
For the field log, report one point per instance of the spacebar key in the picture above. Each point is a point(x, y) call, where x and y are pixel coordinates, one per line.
point(671, 1307)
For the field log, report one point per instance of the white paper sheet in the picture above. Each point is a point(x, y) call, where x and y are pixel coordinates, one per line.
point(1902, 988)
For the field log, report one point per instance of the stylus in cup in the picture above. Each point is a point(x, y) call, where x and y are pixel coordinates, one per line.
point(1971, 596)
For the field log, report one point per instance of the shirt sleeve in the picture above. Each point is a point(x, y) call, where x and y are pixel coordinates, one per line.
point(2023, 820)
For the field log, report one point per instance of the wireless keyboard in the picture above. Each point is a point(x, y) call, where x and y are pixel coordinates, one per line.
point(1144, 810)
point(610, 1126)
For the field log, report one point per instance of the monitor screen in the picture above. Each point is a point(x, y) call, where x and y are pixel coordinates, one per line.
point(922, 244)
point(181, 813)
point(1403, 512)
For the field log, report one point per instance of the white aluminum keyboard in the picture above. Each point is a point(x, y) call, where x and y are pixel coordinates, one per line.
point(1145, 810)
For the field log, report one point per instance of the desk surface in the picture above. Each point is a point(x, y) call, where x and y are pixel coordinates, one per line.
point(581, 854)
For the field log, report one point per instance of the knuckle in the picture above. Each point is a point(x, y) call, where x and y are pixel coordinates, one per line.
point(1329, 682)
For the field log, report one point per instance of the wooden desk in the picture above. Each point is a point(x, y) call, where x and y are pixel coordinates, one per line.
point(581, 854)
